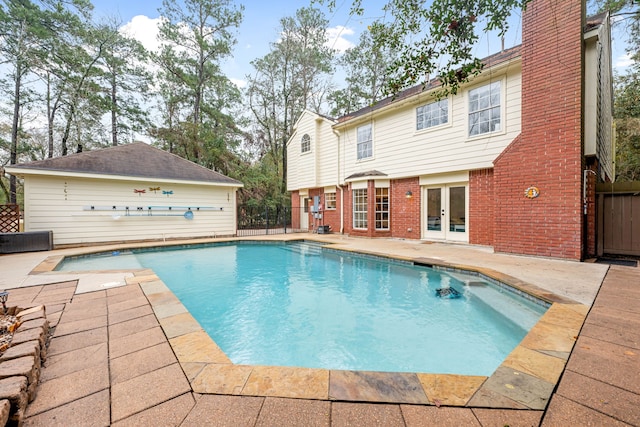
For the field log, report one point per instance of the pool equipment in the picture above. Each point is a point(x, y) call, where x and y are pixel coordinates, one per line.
point(448, 293)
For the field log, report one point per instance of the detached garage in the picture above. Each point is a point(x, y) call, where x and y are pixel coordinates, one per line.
point(126, 193)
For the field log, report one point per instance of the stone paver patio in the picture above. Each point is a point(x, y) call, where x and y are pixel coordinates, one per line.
point(132, 355)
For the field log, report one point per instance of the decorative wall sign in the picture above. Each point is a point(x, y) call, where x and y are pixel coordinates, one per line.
point(187, 212)
point(531, 192)
point(154, 189)
point(167, 192)
point(139, 192)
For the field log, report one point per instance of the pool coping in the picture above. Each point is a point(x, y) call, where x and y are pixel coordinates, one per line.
point(524, 380)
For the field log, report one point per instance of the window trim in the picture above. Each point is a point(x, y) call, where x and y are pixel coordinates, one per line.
point(326, 201)
point(363, 191)
point(388, 211)
point(364, 159)
point(503, 116)
point(446, 124)
point(302, 144)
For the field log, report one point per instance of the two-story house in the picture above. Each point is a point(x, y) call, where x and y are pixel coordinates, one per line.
point(510, 161)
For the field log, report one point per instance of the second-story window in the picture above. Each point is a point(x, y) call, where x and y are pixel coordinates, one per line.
point(365, 142)
point(305, 144)
point(433, 114)
point(484, 109)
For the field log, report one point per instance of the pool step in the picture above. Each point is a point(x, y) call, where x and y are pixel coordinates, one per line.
point(304, 249)
point(524, 313)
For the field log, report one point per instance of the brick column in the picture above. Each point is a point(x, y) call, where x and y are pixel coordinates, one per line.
point(548, 152)
point(481, 203)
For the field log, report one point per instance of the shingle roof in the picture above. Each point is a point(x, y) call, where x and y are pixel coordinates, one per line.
point(365, 174)
point(595, 21)
point(137, 159)
point(489, 61)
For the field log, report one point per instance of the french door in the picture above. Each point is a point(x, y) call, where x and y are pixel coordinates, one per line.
point(446, 212)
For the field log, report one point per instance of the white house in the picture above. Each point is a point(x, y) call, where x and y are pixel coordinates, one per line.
point(510, 161)
point(127, 193)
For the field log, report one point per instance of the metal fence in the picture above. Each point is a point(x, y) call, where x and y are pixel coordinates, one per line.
point(262, 220)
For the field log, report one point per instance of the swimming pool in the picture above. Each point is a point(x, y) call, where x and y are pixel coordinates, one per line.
point(301, 305)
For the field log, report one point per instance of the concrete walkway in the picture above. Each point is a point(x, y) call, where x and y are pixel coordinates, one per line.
point(110, 361)
point(601, 382)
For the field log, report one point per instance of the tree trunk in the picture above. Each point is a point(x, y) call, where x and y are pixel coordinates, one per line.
point(49, 118)
point(14, 130)
point(114, 107)
point(67, 129)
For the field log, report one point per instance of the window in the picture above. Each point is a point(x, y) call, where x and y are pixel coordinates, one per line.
point(360, 208)
point(365, 142)
point(484, 109)
point(382, 208)
point(434, 114)
point(330, 200)
point(305, 145)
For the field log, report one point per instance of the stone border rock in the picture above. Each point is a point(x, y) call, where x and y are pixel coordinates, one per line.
point(20, 364)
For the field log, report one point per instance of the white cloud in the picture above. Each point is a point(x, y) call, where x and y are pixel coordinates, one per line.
point(623, 61)
point(145, 30)
point(239, 82)
point(336, 38)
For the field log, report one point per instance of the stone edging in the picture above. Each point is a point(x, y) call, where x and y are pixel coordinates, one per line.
point(20, 364)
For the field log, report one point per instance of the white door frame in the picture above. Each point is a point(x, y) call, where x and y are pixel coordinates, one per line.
point(304, 213)
point(448, 230)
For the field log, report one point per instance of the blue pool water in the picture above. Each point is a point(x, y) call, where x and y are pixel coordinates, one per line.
point(301, 305)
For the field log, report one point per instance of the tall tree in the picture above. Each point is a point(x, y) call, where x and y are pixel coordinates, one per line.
point(125, 81)
point(366, 67)
point(435, 38)
point(21, 33)
point(80, 83)
point(287, 80)
point(195, 37)
point(25, 26)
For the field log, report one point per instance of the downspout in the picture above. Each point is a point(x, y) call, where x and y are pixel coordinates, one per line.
point(341, 209)
point(337, 134)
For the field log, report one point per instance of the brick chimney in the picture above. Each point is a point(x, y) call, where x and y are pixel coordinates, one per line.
point(548, 153)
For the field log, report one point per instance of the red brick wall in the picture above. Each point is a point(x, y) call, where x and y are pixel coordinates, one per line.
point(548, 152)
point(329, 217)
point(332, 217)
point(295, 209)
point(371, 196)
point(481, 204)
point(405, 213)
point(348, 210)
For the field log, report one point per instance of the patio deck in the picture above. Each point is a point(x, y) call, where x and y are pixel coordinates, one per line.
point(111, 360)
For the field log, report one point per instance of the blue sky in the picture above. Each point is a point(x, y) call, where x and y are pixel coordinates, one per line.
point(261, 20)
point(259, 25)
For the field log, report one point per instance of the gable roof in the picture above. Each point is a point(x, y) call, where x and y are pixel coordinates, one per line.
point(137, 159)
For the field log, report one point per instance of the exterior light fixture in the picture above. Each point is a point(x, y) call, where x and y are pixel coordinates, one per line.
point(408, 194)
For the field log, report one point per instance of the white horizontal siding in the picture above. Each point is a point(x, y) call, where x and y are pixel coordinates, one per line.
point(301, 167)
point(400, 151)
point(57, 204)
point(328, 156)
